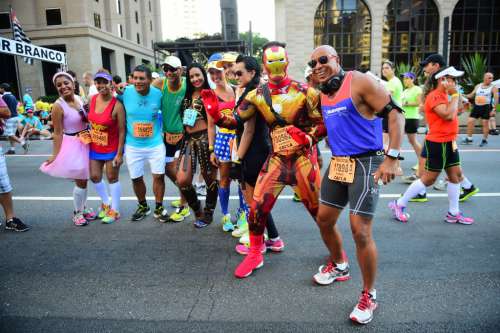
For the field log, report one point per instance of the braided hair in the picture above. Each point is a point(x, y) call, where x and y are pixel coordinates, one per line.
point(251, 64)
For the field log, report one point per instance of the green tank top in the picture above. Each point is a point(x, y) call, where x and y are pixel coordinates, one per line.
point(171, 107)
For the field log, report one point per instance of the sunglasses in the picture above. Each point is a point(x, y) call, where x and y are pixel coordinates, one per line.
point(322, 60)
point(167, 68)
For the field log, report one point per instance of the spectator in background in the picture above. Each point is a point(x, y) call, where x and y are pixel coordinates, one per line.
point(116, 81)
point(78, 88)
point(33, 126)
point(27, 99)
point(89, 86)
point(11, 122)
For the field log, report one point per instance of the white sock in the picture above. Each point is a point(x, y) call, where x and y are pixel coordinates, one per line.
point(116, 191)
point(341, 266)
point(102, 191)
point(373, 292)
point(79, 198)
point(415, 188)
point(466, 184)
point(275, 239)
point(453, 196)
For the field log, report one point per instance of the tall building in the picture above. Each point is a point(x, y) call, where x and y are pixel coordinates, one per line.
point(365, 32)
point(114, 34)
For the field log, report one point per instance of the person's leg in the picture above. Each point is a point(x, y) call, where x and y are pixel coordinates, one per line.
point(470, 129)
point(185, 183)
point(486, 130)
point(224, 188)
point(366, 250)
point(412, 138)
point(112, 174)
point(308, 177)
point(327, 223)
point(96, 170)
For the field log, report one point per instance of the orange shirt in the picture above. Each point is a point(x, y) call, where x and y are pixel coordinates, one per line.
point(440, 130)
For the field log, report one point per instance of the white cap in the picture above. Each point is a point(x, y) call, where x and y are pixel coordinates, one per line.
point(155, 75)
point(450, 71)
point(173, 61)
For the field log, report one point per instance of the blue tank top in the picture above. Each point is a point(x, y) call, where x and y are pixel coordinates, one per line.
point(349, 133)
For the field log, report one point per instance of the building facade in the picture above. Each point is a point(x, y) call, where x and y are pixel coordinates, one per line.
point(114, 34)
point(365, 32)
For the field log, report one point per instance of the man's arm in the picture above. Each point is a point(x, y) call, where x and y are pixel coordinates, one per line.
point(318, 130)
point(244, 112)
point(158, 83)
point(494, 93)
point(473, 92)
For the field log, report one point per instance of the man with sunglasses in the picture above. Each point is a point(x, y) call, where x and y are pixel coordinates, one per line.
point(353, 105)
point(173, 88)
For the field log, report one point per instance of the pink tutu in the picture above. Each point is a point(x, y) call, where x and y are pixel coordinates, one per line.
point(72, 161)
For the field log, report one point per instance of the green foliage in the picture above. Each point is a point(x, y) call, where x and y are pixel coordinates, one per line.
point(49, 98)
point(257, 40)
point(402, 68)
point(475, 67)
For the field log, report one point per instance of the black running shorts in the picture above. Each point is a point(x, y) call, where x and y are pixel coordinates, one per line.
point(440, 155)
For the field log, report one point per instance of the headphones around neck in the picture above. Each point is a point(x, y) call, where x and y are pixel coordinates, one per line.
point(333, 84)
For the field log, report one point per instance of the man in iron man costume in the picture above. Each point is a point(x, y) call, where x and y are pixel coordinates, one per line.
point(292, 112)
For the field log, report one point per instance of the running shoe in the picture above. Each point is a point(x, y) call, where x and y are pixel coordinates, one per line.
point(329, 273)
point(494, 132)
point(398, 212)
point(296, 198)
point(466, 141)
point(227, 225)
point(419, 198)
point(141, 212)
point(441, 185)
point(176, 203)
point(79, 220)
point(200, 224)
point(241, 226)
point(89, 214)
point(160, 211)
point(466, 194)
point(10, 152)
point(245, 239)
point(483, 143)
point(180, 214)
point(17, 225)
point(459, 218)
point(275, 246)
point(363, 311)
point(110, 217)
point(415, 167)
point(409, 179)
point(103, 211)
point(245, 249)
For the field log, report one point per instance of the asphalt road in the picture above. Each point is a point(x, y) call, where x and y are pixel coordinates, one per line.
point(152, 277)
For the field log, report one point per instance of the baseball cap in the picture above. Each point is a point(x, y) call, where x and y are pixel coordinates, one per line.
point(29, 110)
point(410, 75)
point(173, 61)
point(450, 71)
point(227, 57)
point(213, 61)
point(434, 58)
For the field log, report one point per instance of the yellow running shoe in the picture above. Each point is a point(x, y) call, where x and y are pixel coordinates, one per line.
point(176, 203)
point(180, 214)
point(111, 217)
point(103, 211)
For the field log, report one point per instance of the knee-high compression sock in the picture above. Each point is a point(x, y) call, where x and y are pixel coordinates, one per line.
point(453, 197)
point(224, 199)
point(466, 184)
point(272, 232)
point(116, 191)
point(79, 198)
point(102, 191)
point(189, 193)
point(212, 193)
point(415, 188)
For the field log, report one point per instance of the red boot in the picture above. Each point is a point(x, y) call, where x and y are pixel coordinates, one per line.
point(253, 260)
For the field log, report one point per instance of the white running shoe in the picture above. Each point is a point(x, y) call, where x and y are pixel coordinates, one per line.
point(363, 311)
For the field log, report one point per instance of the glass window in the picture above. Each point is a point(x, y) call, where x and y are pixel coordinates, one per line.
point(53, 16)
point(4, 21)
point(346, 25)
point(97, 20)
point(410, 30)
point(475, 28)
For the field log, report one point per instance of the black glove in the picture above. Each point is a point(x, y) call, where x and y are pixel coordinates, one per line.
point(236, 171)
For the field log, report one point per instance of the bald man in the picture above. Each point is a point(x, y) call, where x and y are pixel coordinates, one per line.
point(353, 105)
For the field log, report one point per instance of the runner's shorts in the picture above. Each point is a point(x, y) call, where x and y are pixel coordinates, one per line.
point(362, 195)
point(11, 126)
point(481, 111)
point(137, 157)
point(5, 186)
point(440, 155)
point(171, 151)
point(223, 146)
point(411, 126)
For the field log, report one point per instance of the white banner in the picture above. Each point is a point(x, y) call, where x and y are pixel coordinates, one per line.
point(31, 51)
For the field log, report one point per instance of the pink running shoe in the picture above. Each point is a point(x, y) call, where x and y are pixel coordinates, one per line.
point(89, 214)
point(459, 218)
point(244, 250)
point(79, 220)
point(363, 311)
point(275, 246)
point(398, 212)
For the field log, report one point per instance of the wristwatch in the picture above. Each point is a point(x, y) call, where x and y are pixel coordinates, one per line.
point(393, 154)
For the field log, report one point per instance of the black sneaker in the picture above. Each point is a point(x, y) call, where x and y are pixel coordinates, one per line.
point(494, 132)
point(16, 224)
point(466, 194)
point(419, 198)
point(483, 143)
point(10, 152)
point(466, 141)
point(141, 212)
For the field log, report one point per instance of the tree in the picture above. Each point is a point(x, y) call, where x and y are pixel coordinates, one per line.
point(257, 40)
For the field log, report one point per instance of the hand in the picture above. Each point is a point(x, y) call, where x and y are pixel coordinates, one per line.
point(117, 161)
point(236, 171)
point(50, 160)
point(386, 171)
point(300, 136)
point(214, 160)
point(211, 103)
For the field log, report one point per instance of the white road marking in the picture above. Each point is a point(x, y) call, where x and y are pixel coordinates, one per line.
point(234, 197)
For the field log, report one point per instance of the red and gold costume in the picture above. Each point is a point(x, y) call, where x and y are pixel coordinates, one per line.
point(295, 124)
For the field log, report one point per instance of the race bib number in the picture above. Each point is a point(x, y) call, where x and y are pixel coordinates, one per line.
point(173, 139)
point(85, 137)
point(143, 130)
point(342, 169)
point(481, 100)
point(282, 141)
point(189, 117)
point(99, 137)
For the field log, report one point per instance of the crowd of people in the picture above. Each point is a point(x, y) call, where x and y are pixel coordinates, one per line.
point(235, 120)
